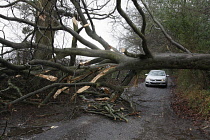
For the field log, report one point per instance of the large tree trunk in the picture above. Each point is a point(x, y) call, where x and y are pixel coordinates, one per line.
point(125, 82)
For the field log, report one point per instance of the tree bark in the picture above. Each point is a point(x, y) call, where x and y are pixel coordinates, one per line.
point(45, 37)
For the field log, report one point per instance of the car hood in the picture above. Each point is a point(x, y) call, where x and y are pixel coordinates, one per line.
point(156, 77)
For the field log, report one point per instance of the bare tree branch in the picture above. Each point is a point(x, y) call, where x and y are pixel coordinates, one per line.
point(10, 4)
point(48, 87)
point(91, 33)
point(88, 15)
point(135, 29)
point(12, 66)
point(138, 7)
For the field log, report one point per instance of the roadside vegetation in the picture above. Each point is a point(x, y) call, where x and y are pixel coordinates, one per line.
point(194, 91)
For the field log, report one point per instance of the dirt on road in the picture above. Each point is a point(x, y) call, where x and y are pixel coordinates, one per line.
point(156, 121)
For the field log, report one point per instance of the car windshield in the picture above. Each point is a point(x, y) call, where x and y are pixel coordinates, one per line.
point(157, 73)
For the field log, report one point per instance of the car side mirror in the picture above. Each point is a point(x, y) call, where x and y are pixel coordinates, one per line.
point(146, 74)
point(167, 75)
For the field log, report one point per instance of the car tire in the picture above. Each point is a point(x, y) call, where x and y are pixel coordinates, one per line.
point(165, 86)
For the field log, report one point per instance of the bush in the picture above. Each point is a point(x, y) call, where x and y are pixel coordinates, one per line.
point(193, 86)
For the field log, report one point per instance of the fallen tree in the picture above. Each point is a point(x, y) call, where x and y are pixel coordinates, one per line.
point(107, 59)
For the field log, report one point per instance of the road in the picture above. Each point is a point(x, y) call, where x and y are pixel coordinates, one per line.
point(157, 121)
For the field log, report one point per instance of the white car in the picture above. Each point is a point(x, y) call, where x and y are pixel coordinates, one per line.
point(156, 78)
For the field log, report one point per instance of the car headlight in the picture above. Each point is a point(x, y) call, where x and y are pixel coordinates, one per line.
point(163, 80)
point(148, 79)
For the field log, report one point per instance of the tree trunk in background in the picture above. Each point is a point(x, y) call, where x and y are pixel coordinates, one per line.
point(45, 37)
point(74, 43)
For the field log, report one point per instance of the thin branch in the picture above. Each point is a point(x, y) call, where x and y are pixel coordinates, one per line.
point(10, 4)
point(12, 66)
point(11, 85)
point(48, 87)
point(100, 6)
point(51, 64)
point(6, 52)
point(138, 7)
point(102, 16)
point(20, 20)
point(88, 15)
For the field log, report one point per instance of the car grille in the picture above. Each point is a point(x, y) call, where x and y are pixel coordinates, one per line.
point(155, 80)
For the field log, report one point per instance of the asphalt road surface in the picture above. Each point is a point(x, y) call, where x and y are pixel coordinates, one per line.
point(157, 121)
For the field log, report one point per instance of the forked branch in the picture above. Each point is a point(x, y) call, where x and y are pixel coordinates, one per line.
point(135, 29)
